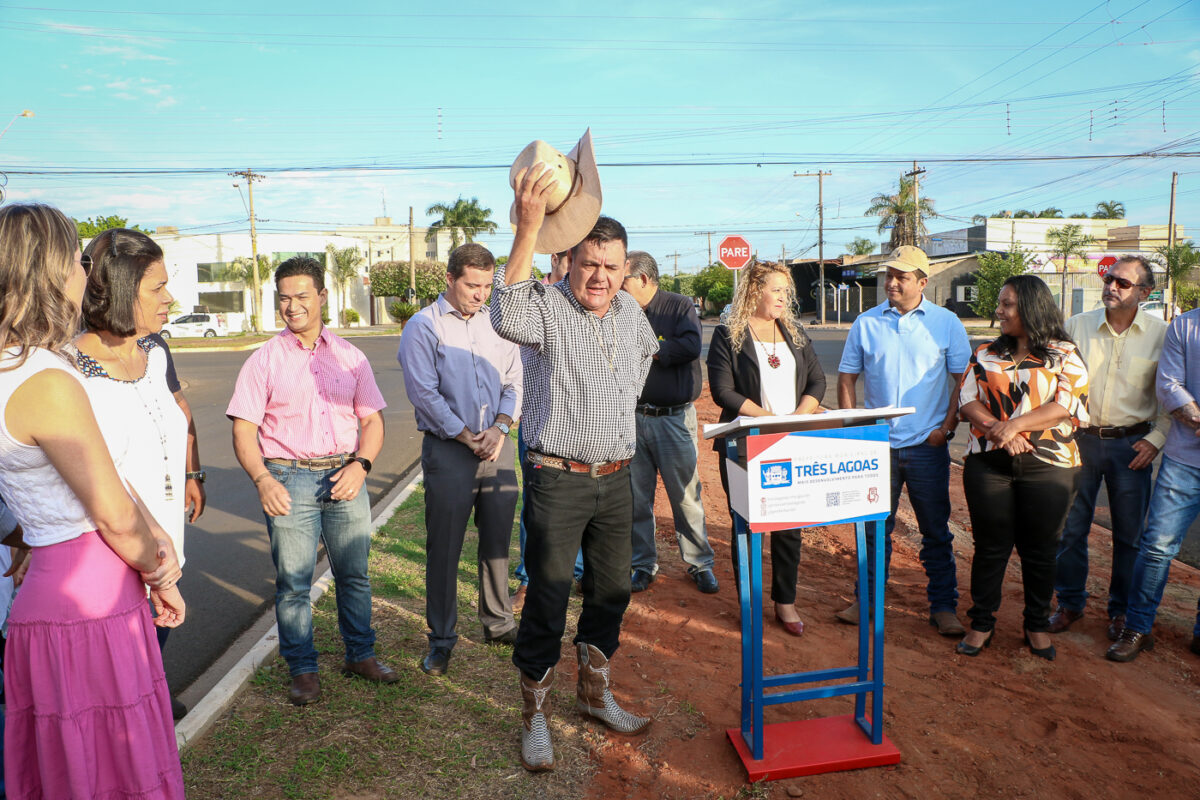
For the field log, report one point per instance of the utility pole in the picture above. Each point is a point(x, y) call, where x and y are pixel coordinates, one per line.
point(255, 279)
point(1169, 306)
point(916, 176)
point(709, 234)
point(412, 259)
point(820, 176)
point(676, 255)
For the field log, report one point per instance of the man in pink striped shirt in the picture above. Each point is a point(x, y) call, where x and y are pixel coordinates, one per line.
point(306, 427)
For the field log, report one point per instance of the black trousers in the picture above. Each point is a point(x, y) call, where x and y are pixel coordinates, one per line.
point(1017, 502)
point(785, 554)
point(564, 511)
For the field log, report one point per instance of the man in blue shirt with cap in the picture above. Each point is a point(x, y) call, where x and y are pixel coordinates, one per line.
point(913, 353)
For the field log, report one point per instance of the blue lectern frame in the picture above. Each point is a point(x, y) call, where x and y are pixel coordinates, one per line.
point(865, 677)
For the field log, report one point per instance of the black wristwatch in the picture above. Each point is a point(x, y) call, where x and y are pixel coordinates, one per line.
point(366, 463)
point(949, 434)
point(196, 476)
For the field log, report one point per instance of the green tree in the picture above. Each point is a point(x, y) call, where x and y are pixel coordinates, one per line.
point(464, 219)
point(239, 269)
point(1179, 260)
point(92, 227)
point(1050, 213)
point(861, 246)
point(685, 285)
point(1081, 215)
point(345, 264)
point(1024, 214)
point(898, 212)
point(390, 279)
point(979, 219)
point(1109, 209)
point(710, 278)
point(994, 270)
point(1067, 241)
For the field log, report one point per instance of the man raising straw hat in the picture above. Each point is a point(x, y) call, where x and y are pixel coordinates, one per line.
point(591, 349)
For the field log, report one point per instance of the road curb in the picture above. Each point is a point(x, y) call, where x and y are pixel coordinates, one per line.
point(205, 713)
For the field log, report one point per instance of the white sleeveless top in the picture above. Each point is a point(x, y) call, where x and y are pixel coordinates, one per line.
point(36, 494)
point(778, 394)
point(146, 433)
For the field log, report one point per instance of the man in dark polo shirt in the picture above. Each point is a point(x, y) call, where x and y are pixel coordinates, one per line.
point(666, 430)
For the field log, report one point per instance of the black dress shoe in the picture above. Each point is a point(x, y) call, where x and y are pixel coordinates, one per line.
point(1047, 653)
point(305, 689)
point(1130, 643)
point(640, 581)
point(436, 661)
point(178, 709)
point(1115, 626)
point(1063, 618)
point(509, 637)
point(706, 581)
point(971, 650)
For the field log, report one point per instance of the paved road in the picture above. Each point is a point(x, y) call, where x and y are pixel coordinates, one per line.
point(230, 579)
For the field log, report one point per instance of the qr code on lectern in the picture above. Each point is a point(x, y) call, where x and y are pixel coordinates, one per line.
point(833, 498)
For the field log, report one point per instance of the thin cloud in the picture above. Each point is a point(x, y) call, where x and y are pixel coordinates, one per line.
point(125, 53)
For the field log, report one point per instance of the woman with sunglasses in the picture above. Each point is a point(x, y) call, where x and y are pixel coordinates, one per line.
point(1024, 394)
point(125, 303)
point(88, 713)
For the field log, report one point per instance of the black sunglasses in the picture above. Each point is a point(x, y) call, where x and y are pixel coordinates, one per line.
point(85, 261)
point(1122, 283)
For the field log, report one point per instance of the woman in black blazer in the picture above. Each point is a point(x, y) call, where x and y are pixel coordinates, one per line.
point(761, 363)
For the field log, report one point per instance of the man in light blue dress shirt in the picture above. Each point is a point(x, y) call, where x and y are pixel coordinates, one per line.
point(1176, 499)
point(465, 385)
point(913, 353)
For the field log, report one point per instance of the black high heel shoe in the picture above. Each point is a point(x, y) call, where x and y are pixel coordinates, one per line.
point(971, 650)
point(1047, 653)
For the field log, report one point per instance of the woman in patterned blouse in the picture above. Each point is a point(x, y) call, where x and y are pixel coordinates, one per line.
point(1024, 394)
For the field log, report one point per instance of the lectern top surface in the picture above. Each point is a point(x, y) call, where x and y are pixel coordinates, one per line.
point(799, 422)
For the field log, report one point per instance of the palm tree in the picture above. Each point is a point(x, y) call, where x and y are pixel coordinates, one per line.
point(1005, 214)
point(895, 211)
point(1050, 213)
point(1067, 241)
point(861, 246)
point(1179, 259)
point(1024, 214)
point(346, 261)
point(1109, 209)
point(240, 270)
point(979, 219)
point(464, 219)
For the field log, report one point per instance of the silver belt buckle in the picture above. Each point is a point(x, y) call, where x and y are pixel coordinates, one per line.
point(593, 470)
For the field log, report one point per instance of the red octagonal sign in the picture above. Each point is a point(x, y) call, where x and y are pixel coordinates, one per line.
point(734, 252)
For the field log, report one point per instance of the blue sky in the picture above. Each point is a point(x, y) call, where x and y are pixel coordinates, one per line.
point(701, 113)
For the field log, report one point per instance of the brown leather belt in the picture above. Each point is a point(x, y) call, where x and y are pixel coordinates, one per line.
point(325, 462)
point(1119, 432)
point(566, 465)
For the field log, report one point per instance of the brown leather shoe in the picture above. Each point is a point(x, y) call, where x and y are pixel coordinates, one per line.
point(1130, 643)
point(947, 623)
point(1063, 618)
point(305, 689)
point(848, 615)
point(1115, 626)
point(370, 669)
point(518, 599)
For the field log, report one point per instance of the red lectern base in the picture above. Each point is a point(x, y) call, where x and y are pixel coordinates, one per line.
point(812, 747)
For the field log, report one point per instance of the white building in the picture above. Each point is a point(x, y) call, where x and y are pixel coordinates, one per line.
point(198, 266)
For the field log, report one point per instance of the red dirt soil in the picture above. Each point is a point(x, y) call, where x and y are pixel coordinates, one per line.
point(1004, 724)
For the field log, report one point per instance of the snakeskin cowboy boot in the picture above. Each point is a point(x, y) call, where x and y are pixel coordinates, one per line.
point(595, 698)
point(537, 752)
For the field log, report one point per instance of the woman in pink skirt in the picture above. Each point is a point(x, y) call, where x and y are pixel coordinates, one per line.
point(88, 714)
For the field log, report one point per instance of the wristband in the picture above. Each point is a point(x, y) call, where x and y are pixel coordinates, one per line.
point(258, 480)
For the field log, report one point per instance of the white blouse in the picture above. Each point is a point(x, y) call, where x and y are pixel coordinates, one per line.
point(778, 383)
point(146, 432)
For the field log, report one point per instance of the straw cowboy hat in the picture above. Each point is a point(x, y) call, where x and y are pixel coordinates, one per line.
point(574, 205)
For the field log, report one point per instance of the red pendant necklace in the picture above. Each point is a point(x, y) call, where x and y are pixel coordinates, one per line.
point(772, 359)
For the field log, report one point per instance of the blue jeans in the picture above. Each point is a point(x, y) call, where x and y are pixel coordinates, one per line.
point(345, 528)
point(666, 446)
point(1173, 507)
point(521, 574)
point(1104, 460)
point(926, 471)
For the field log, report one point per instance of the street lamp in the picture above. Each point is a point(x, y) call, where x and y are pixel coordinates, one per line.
point(25, 113)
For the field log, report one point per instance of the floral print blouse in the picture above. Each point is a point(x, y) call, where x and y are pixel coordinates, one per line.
point(1008, 390)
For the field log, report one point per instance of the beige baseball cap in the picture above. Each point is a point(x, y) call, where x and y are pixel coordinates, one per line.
point(906, 258)
point(574, 207)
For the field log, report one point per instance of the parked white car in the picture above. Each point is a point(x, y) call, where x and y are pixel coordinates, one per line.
point(198, 324)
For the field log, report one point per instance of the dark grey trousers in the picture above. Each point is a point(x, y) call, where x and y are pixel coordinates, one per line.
point(457, 483)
